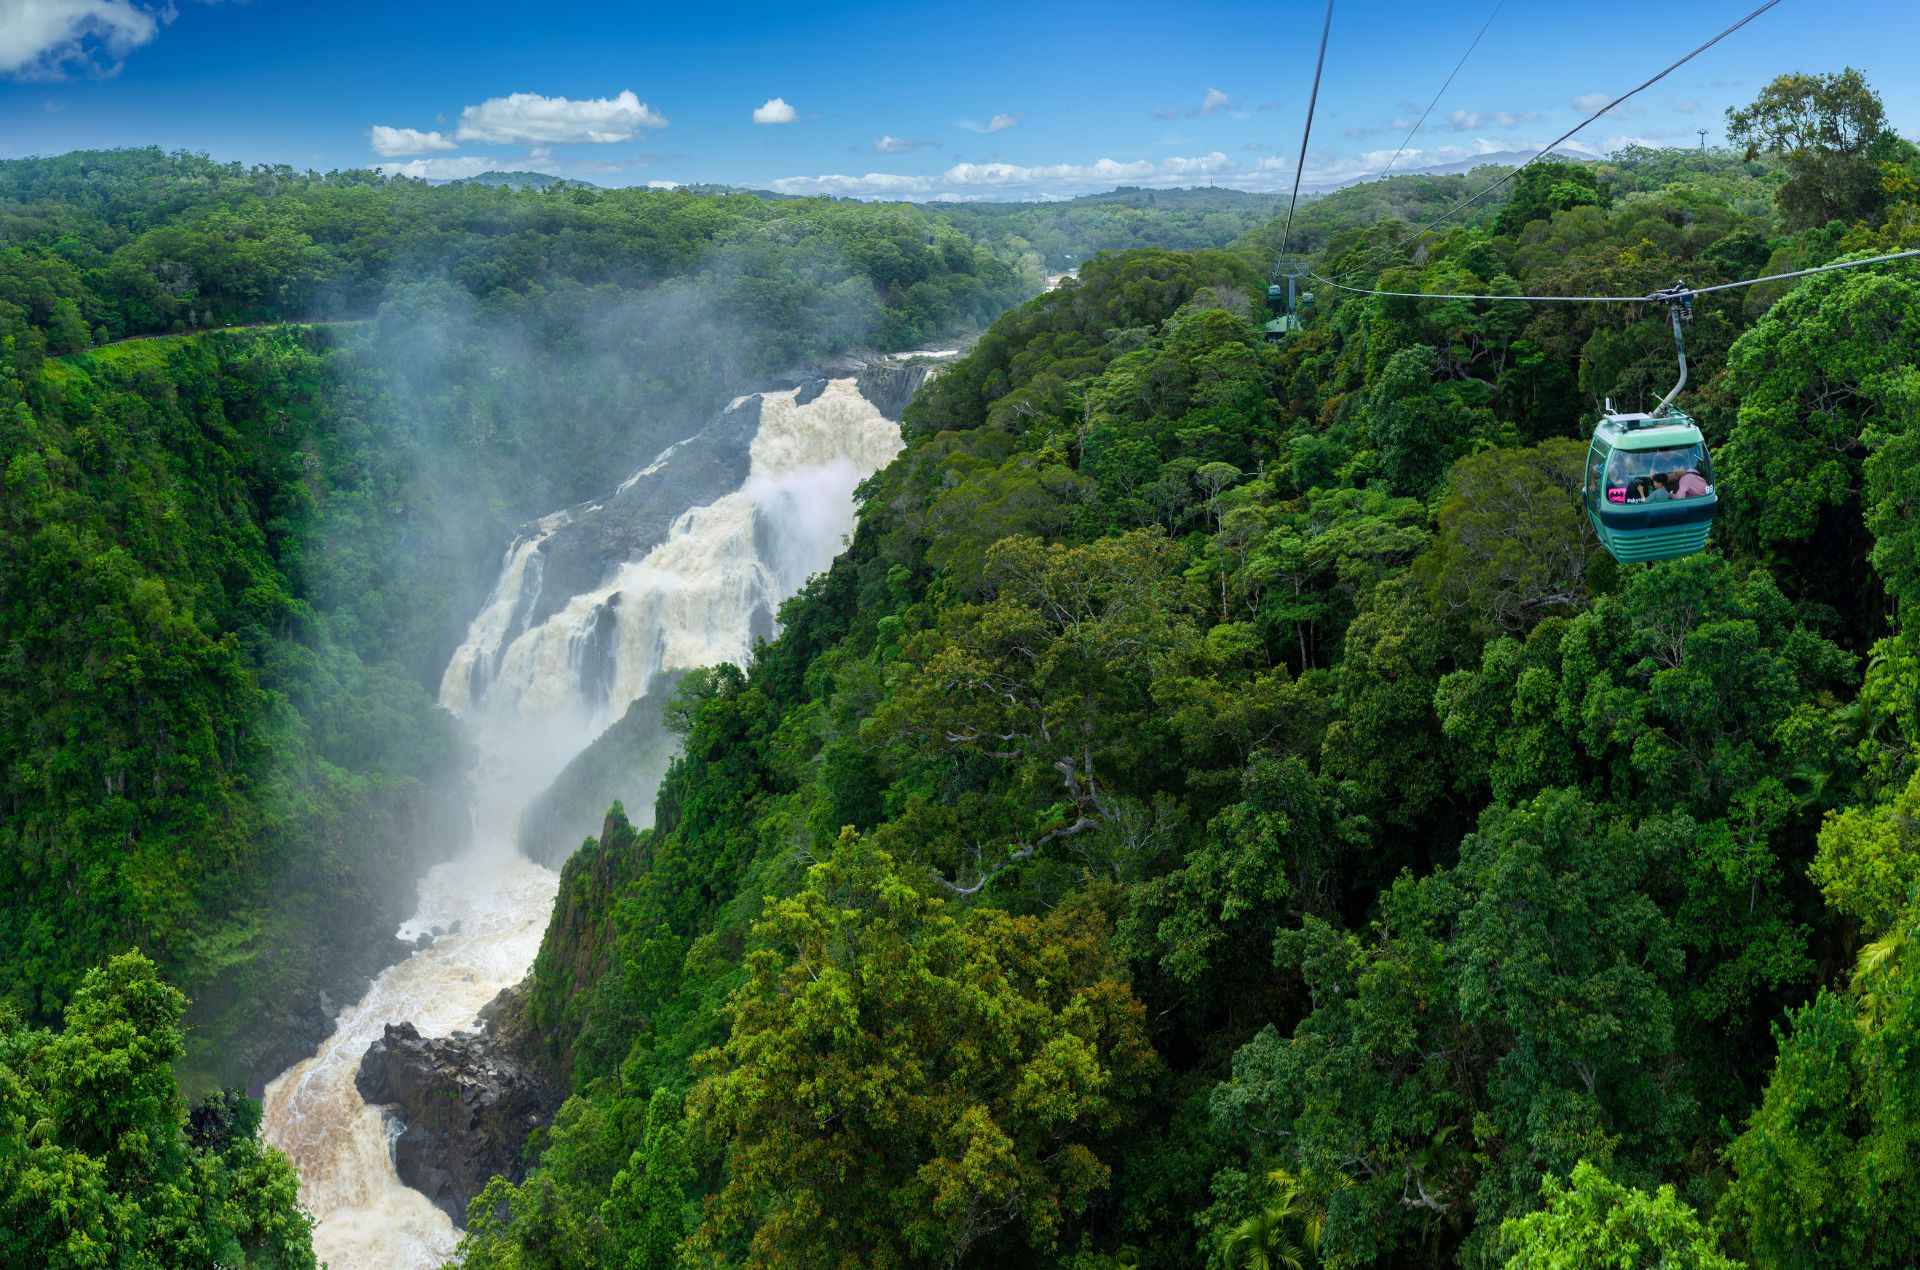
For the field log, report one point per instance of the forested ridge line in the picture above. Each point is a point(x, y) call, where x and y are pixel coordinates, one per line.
point(238, 326)
point(1224, 808)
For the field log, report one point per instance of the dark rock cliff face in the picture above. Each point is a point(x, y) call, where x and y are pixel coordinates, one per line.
point(630, 522)
point(623, 765)
point(891, 385)
point(467, 1103)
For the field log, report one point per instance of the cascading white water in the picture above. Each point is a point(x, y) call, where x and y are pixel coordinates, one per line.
point(689, 601)
point(531, 702)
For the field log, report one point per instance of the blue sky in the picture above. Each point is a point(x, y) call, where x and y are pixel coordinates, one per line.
point(988, 100)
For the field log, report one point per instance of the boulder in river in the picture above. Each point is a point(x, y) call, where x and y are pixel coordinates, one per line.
point(466, 1104)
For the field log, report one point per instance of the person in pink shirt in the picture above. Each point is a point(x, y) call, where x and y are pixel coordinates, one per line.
point(1690, 485)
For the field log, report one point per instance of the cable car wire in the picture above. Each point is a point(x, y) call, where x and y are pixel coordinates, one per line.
point(1300, 164)
point(1627, 299)
point(1465, 203)
point(1442, 93)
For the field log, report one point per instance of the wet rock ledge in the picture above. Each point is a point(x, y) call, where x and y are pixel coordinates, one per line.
point(466, 1103)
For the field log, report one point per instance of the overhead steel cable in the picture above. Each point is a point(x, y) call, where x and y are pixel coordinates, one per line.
point(1801, 273)
point(1300, 163)
point(1626, 299)
point(1449, 295)
point(1465, 203)
point(1443, 91)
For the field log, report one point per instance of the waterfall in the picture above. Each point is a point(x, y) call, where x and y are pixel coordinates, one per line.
point(681, 605)
point(532, 692)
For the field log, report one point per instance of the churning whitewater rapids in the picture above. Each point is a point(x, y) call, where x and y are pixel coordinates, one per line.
point(537, 678)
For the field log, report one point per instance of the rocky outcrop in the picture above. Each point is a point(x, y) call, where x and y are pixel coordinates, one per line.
point(890, 384)
point(622, 765)
point(466, 1103)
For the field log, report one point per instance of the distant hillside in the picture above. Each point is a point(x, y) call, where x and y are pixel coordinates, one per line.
point(526, 181)
point(1195, 198)
point(1498, 159)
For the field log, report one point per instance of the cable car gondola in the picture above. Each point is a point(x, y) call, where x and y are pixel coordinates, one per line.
point(1649, 481)
point(1286, 318)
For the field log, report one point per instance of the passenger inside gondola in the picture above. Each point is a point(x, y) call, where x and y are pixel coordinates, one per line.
point(1657, 476)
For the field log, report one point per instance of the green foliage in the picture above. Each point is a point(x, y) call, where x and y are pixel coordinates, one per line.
point(1823, 380)
point(1542, 189)
point(1265, 1241)
point(1514, 546)
point(1220, 798)
point(1591, 1220)
point(901, 1085)
point(1868, 864)
point(1824, 129)
point(1509, 1016)
point(187, 726)
point(1279, 697)
point(98, 1164)
point(1826, 1170)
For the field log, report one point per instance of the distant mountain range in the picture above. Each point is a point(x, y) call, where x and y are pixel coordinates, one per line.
point(1125, 194)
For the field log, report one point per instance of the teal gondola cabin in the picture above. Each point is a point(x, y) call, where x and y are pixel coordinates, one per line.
point(1649, 486)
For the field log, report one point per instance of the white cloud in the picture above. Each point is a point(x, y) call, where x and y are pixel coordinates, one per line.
point(1045, 181)
point(1212, 103)
point(530, 119)
point(999, 123)
point(40, 38)
point(1468, 120)
point(453, 169)
point(1686, 105)
point(776, 111)
point(900, 145)
point(663, 185)
point(1590, 102)
point(391, 143)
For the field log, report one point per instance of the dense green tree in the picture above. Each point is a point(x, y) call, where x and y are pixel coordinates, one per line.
point(904, 1086)
point(1591, 1220)
point(1823, 380)
point(1509, 1016)
point(98, 1166)
point(1514, 546)
point(1542, 189)
point(1827, 1170)
point(1050, 678)
point(647, 1215)
point(1823, 129)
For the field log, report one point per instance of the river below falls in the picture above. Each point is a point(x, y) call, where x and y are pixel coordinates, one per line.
point(489, 907)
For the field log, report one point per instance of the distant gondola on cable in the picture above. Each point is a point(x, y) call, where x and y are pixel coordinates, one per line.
point(1649, 479)
point(1286, 319)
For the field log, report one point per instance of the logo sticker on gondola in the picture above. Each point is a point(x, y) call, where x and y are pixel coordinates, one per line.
point(1617, 495)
